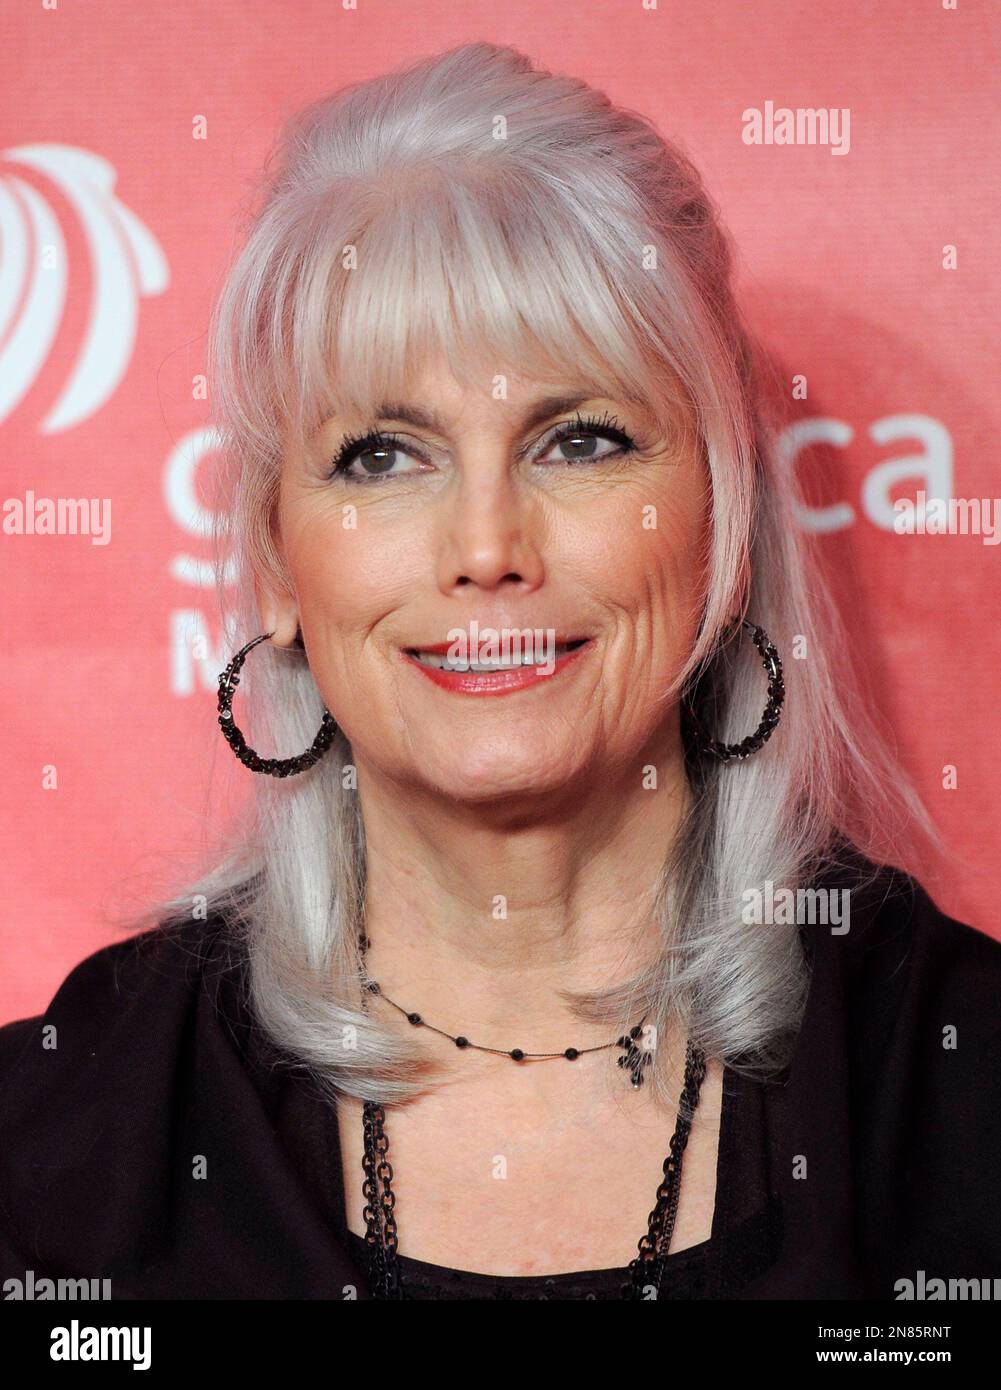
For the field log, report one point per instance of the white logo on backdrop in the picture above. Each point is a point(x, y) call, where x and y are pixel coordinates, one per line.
point(932, 464)
point(126, 264)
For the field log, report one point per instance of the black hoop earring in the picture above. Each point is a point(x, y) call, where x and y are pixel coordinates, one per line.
point(725, 752)
point(274, 767)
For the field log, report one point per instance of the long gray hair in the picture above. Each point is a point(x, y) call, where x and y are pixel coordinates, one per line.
point(477, 207)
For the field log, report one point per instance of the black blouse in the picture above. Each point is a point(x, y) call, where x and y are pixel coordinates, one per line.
point(743, 1241)
point(713, 1269)
point(149, 1135)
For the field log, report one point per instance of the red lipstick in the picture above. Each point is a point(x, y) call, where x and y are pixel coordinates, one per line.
point(500, 682)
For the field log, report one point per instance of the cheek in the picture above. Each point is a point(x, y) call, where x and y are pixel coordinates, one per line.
point(643, 553)
point(342, 576)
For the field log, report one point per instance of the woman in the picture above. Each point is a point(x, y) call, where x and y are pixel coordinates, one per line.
point(507, 952)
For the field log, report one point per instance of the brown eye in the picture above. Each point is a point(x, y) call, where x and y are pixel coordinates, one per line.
point(579, 446)
point(376, 461)
point(372, 457)
point(579, 440)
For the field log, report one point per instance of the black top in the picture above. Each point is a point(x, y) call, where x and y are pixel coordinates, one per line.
point(152, 1140)
point(740, 1246)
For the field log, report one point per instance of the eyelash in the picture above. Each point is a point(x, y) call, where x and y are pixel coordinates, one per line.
point(354, 445)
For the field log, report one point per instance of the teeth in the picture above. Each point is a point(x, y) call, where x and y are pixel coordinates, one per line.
point(512, 662)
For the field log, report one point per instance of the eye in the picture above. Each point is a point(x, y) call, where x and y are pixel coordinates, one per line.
point(372, 456)
point(369, 457)
point(581, 436)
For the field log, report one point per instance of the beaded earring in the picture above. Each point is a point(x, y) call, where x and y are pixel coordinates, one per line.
point(273, 767)
point(727, 752)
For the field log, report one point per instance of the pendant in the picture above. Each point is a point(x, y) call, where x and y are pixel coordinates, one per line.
point(636, 1058)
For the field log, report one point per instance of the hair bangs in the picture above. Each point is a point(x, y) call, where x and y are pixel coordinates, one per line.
point(463, 272)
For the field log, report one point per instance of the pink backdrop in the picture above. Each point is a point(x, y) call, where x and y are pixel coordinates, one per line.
point(133, 134)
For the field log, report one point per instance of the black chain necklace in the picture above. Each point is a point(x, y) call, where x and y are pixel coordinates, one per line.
point(381, 1233)
point(634, 1057)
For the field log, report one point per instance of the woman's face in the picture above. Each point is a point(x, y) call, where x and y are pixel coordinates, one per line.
point(471, 519)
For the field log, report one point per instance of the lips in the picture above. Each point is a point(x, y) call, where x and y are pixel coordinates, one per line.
point(438, 648)
point(436, 656)
point(509, 672)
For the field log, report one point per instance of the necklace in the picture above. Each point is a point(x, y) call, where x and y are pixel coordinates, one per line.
point(634, 1057)
point(646, 1270)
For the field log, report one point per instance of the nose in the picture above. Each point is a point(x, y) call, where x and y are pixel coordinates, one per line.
point(488, 535)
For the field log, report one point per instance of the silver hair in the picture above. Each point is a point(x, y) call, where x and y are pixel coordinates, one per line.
point(479, 207)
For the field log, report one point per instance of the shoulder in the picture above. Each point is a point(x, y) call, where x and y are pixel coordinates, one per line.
point(891, 924)
point(906, 987)
point(905, 1049)
point(915, 993)
point(91, 1089)
point(124, 991)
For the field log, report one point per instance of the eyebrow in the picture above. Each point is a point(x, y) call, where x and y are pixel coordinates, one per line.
point(543, 408)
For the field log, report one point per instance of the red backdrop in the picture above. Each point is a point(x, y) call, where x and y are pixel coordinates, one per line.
point(133, 136)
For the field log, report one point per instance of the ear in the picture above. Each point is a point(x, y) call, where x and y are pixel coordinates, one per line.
point(279, 613)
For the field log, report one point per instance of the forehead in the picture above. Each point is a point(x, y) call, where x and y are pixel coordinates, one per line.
point(433, 394)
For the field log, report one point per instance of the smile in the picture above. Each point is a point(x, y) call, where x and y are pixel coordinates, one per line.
point(509, 672)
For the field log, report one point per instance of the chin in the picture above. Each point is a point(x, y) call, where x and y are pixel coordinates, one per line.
point(507, 776)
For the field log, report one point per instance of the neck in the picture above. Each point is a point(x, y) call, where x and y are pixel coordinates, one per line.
point(478, 915)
